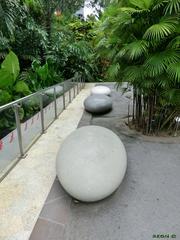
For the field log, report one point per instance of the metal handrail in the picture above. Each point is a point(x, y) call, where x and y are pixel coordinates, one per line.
point(11, 104)
point(79, 83)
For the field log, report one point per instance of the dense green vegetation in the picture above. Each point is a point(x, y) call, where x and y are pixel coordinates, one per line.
point(135, 41)
point(41, 43)
point(139, 41)
point(50, 43)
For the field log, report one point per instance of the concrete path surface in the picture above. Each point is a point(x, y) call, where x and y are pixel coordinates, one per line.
point(146, 204)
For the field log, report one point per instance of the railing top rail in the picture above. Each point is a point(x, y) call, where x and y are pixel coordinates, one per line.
point(11, 104)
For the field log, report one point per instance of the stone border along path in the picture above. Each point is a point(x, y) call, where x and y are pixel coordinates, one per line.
point(24, 190)
point(145, 204)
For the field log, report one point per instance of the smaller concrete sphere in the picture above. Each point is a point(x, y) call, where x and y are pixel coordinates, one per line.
point(101, 90)
point(91, 163)
point(59, 91)
point(98, 103)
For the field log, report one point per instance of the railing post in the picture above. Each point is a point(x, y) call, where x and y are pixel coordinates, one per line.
point(77, 86)
point(55, 104)
point(42, 113)
point(80, 84)
point(18, 126)
point(74, 88)
point(70, 96)
point(64, 99)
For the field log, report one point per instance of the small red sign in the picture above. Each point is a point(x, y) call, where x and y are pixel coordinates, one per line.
point(1, 144)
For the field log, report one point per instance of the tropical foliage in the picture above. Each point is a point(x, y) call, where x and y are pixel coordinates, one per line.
point(59, 42)
point(135, 41)
point(139, 40)
point(41, 43)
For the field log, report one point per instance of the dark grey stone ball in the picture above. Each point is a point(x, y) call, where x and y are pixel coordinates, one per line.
point(98, 103)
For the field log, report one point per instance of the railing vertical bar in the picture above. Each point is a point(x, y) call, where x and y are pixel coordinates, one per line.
point(42, 113)
point(81, 83)
point(64, 98)
point(77, 86)
point(55, 104)
point(74, 89)
point(18, 126)
point(70, 96)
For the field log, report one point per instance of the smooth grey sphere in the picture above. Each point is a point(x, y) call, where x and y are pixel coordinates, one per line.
point(98, 103)
point(91, 163)
point(101, 90)
point(59, 91)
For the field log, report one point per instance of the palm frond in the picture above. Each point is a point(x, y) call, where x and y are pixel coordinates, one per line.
point(7, 16)
point(121, 21)
point(164, 28)
point(142, 4)
point(131, 10)
point(113, 72)
point(159, 4)
point(157, 63)
point(173, 6)
point(171, 96)
point(111, 54)
point(174, 72)
point(174, 43)
point(135, 49)
point(133, 74)
point(101, 43)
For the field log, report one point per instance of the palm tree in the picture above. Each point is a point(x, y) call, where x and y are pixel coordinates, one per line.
point(9, 10)
point(141, 42)
point(7, 16)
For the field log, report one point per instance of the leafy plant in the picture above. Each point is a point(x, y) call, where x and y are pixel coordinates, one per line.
point(9, 71)
point(40, 76)
point(11, 88)
point(71, 50)
point(139, 40)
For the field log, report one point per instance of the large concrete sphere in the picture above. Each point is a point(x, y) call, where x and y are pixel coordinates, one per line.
point(98, 103)
point(91, 163)
point(101, 90)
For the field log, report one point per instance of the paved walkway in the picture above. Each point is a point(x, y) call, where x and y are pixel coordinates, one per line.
point(24, 191)
point(146, 203)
